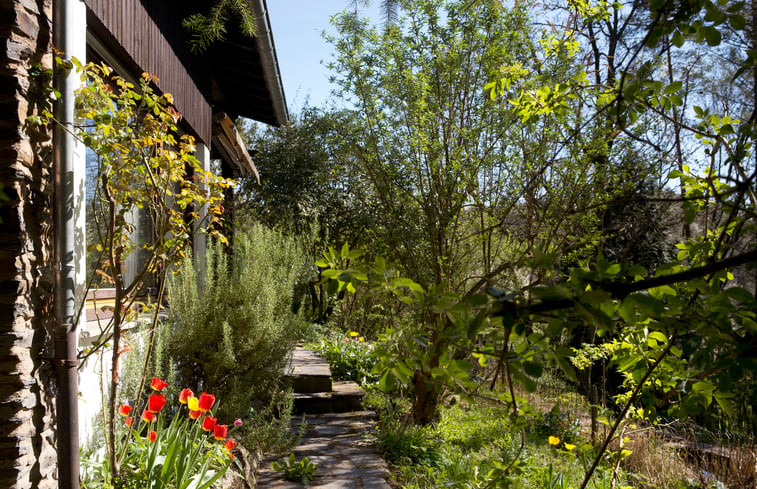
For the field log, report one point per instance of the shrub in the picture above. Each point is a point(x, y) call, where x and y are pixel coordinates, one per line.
point(563, 425)
point(232, 328)
point(268, 426)
point(403, 443)
point(350, 357)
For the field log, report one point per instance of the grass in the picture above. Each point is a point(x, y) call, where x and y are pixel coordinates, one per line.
point(467, 443)
point(480, 445)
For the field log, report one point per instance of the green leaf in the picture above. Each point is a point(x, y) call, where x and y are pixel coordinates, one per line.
point(737, 22)
point(659, 337)
point(402, 372)
point(387, 382)
point(678, 39)
point(712, 36)
point(533, 369)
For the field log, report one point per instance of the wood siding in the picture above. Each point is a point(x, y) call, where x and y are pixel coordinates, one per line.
point(154, 42)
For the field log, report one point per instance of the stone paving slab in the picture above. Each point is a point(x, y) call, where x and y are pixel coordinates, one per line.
point(345, 458)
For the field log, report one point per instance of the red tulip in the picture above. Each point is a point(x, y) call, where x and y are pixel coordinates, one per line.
point(124, 409)
point(158, 384)
point(152, 436)
point(128, 421)
point(206, 401)
point(147, 416)
point(185, 394)
point(194, 414)
point(156, 402)
point(208, 423)
point(220, 431)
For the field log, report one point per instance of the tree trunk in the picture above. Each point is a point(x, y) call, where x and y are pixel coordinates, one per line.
point(425, 399)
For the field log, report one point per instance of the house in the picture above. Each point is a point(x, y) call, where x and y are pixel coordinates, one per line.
point(42, 175)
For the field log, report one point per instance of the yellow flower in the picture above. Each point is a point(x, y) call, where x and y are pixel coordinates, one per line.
point(553, 440)
point(193, 403)
point(361, 339)
point(569, 447)
point(353, 334)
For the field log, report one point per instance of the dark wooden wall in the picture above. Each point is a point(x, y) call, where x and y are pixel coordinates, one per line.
point(152, 37)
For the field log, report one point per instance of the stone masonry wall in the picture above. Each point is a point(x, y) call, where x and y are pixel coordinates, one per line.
point(27, 443)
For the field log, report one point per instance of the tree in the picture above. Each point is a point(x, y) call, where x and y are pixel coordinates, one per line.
point(464, 193)
point(309, 189)
point(687, 330)
point(684, 333)
point(207, 29)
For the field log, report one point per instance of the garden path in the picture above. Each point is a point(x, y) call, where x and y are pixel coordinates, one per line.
point(336, 443)
point(334, 438)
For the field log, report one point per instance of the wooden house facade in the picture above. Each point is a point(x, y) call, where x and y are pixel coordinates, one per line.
point(238, 76)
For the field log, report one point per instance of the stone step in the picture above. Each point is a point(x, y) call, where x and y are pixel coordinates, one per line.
point(309, 372)
point(345, 397)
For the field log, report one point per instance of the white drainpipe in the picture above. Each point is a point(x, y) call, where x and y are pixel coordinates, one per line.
point(69, 36)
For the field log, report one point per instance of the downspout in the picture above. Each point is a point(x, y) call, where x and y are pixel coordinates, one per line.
point(68, 37)
point(269, 62)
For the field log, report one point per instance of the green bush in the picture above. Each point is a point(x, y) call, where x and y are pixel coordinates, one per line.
point(350, 357)
point(403, 443)
point(472, 429)
point(555, 422)
point(232, 328)
point(267, 426)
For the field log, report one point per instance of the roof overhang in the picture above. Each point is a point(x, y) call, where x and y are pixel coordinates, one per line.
point(246, 76)
point(228, 142)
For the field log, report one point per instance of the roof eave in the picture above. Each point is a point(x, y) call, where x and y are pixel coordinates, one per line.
point(269, 61)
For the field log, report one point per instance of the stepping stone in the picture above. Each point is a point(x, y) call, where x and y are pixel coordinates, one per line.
point(345, 397)
point(309, 372)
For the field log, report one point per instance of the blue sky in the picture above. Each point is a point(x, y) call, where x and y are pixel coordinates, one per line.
point(302, 52)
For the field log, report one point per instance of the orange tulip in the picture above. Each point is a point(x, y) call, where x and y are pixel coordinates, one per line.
point(124, 409)
point(152, 436)
point(229, 446)
point(148, 417)
point(194, 414)
point(158, 384)
point(185, 394)
point(128, 421)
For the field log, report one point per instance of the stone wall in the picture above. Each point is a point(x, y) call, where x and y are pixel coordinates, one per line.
point(27, 444)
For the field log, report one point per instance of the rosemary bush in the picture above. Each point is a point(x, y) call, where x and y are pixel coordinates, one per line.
point(232, 328)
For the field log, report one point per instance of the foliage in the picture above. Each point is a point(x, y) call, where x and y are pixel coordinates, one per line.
point(479, 446)
point(303, 471)
point(176, 449)
point(419, 356)
point(312, 190)
point(554, 423)
point(207, 29)
point(409, 444)
point(269, 426)
point(232, 327)
point(142, 163)
point(450, 173)
point(350, 357)
point(310, 182)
